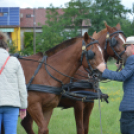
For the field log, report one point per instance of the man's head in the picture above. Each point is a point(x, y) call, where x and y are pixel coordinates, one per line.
point(129, 46)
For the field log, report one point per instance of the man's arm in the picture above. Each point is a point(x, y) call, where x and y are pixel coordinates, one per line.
point(119, 76)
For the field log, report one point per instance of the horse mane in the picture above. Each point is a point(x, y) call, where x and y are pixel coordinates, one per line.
point(61, 46)
point(98, 35)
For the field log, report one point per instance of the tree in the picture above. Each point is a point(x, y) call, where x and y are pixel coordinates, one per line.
point(48, 38)
point(58, 20)
point(51, 32)
point(110, 11)
point(28, 41)
point(75, 13)
point(126, 26)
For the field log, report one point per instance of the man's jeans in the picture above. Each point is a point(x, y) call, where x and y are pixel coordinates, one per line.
point(127, 122)
point(9, 117)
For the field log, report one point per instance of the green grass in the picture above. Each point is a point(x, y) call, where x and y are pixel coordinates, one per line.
point(63, 122)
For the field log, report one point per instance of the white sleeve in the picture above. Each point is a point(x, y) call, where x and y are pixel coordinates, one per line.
point(22, 88)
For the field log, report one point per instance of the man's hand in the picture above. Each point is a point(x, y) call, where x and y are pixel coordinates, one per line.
point(101, 67)
point(22, 114)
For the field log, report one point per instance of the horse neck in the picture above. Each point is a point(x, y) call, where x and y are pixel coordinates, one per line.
point(66, 61)
point(81, 74)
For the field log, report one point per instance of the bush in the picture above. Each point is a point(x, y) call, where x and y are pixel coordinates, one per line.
point(12, 47)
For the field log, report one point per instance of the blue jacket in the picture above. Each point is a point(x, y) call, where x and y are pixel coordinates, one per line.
point(127, 76)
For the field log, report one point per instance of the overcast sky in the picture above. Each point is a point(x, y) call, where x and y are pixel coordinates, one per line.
point(46, 3)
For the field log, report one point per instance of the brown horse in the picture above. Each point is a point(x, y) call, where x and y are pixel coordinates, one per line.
point(83, 110)
point(67, 61)
point(111, 40)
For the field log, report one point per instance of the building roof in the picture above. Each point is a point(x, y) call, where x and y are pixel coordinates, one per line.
point(27, 19)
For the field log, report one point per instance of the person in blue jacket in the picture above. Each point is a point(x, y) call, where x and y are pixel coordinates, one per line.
point(126, 75)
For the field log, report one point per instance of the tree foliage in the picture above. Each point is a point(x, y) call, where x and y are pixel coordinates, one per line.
point(28, 44)
point(111, 11)
point(51, 32)
point(75, 14)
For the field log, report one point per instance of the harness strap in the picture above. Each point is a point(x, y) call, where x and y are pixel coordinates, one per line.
point(51, 74)
point(117, 32)
point(120, 56)
point(36, 71)
point(93, 42)
point(45, 89)
point(4, 64)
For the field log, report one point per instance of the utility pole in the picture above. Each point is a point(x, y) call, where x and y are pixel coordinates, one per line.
point(34, 30)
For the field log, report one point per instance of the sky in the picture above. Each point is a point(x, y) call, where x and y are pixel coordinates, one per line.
point(46, 3)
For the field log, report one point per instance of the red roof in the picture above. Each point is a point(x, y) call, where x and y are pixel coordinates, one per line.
point(40, 17)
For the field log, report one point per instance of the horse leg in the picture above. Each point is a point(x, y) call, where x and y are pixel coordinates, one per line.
point(78, 110)
point(86, 115)
point(41, 119)
point(27, 124)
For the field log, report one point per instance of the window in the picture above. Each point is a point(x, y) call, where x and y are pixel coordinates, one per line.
point(28, 15)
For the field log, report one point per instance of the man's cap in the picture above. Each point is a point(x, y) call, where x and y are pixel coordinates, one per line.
point(129, 40)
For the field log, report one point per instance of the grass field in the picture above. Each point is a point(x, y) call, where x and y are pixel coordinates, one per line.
point(63, 122)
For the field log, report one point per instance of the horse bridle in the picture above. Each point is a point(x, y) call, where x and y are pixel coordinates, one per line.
point(89, 54)
point(113, 43)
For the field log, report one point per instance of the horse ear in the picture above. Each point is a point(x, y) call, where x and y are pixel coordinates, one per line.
point(109, 29)
point(118, 26)
point(94, 34)
point(105, 23)
point(86, 36)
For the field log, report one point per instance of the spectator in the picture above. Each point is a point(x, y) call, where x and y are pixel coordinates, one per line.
point(13, 94)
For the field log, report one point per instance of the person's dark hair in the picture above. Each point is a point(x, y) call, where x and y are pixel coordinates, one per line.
point(3, 40)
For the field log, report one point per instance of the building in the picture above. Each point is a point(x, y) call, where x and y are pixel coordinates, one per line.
point(10, 24)
point(15, 21)
point(33, 19)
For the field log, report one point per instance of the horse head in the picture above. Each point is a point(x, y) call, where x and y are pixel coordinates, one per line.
point(92, 55)
point(115, 38)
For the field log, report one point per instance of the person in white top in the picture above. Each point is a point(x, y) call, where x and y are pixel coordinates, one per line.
point(13, 93)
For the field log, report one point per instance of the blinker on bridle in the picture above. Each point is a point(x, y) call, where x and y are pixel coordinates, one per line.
point(113, 42)
point(89, 54)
